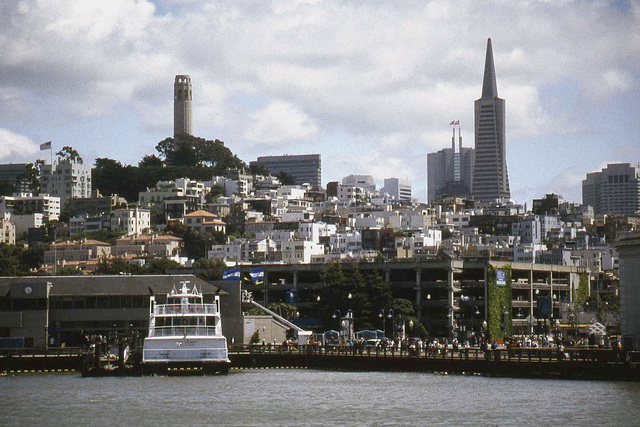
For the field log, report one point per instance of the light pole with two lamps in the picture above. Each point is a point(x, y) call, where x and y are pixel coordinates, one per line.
point(475, 310)
point(337, 315)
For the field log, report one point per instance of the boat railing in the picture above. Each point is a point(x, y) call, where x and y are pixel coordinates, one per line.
point(167, 331)
point(168, 309)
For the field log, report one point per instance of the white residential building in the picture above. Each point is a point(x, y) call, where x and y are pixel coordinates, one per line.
point(596, 259)
point(527, 252)
point(291, 192)
point(66, 179)
point(203, 221)
point(456, 219)
point(76, 251)
point(362, 181)
point(345, 243)
point(534, 228)
point(241, 250)
point(25, 204)
point(132, 221)
point(24, 222)
point(429, 240)
point(300, 251)
point(162, 246)
point(313, 231)
point(351, 195)
point(84, 224)
point(7, 230)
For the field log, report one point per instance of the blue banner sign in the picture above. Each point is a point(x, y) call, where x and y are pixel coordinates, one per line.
point(501, 278)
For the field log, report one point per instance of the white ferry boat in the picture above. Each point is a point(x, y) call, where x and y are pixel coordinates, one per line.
point(185, 334)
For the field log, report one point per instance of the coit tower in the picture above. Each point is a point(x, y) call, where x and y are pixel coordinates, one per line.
point(490, 178)
point(182, 97)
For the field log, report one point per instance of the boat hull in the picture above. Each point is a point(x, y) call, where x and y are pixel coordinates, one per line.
point(163, 355)
point(186, 368)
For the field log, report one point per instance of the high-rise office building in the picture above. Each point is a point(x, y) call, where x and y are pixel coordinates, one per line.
point(614, 191)
point(10, 175)
point(398, 189)
point(490, 178)
point(304, 168)
point(182, 97)
point(450, 172)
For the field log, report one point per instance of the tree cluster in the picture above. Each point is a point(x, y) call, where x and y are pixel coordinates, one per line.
point(191, 151)
point(371, 297)
point(16, 260)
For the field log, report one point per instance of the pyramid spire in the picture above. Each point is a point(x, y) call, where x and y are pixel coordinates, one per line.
point(489, 87)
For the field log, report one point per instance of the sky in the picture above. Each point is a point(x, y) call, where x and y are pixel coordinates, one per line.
point(371, 86)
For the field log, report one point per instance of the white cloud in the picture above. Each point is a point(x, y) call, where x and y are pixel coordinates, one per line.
point(279, 75)
point(16, 148)
point(278, 123)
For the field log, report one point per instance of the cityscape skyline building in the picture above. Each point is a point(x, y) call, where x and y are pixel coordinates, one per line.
point(398, 189)
point(614, 190)
point(450, 172)
point(304, 168)
point(490, 177)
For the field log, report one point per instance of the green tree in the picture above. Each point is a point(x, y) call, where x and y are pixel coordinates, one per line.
point(609, 307)
point(288, 311)
point(103, 235)
point(70, 154)
point(499, 307)
point(191, 151)
point(370, 295)
point(31, 176)
point(286, 178)
point(6, 188)
point(213, 268)
point(161, 265)
point(16, 260)
point(118, 265)
point(151, 161)
point(68, 271)
point(582, 293)
point(107, 176)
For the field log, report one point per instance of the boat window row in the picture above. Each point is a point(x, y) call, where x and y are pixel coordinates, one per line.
point(114, 301)
point(168, 309)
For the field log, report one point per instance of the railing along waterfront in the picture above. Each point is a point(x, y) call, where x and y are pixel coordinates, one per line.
point(178, 309)
point(523, 355)
point(38, 352)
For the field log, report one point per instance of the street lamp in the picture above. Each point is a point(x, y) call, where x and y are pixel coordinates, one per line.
point(393, 325)
point(475, 311)
point(318, 301)
point(349, 317)
point(382, 316)
point(484, 329)
point(336, 315)
point(505, 313)
point(427, 318)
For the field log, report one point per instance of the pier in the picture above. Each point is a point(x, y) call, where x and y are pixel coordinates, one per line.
point(572, 363)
